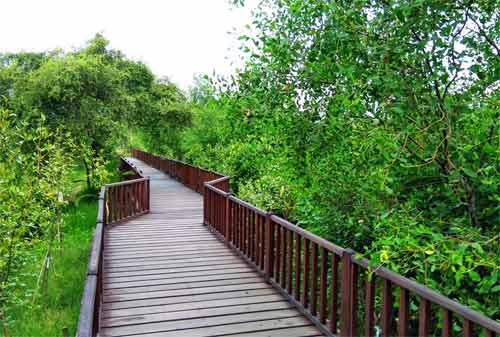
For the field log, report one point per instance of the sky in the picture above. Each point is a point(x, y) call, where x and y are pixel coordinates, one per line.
point(176, 38)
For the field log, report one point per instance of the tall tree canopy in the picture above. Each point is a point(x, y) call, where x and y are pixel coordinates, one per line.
point(60, 111)
point(374, 123)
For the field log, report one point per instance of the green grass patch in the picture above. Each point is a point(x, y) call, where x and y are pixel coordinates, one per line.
point(47, 314)
point(34, 310)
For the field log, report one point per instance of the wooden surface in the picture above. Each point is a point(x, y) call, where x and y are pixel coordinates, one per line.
point(165, 274)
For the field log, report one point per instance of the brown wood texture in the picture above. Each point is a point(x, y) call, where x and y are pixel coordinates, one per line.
point(286, 255)
point(167, 273)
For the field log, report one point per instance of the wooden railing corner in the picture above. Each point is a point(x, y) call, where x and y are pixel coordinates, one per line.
point(116, 202)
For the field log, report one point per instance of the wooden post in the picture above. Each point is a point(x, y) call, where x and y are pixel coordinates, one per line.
point(148, 195)
point(205, 204)
point(269, 247)
point(345, 315)
point(227, 221)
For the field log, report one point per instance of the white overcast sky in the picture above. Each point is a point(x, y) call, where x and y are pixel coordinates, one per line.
point(176, 38)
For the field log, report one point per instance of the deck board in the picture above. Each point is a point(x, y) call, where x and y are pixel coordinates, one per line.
point(166, 274)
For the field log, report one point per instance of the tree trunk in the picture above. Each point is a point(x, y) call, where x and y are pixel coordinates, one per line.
point(87, 173)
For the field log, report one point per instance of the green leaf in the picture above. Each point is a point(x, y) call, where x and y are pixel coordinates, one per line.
point(474, 276)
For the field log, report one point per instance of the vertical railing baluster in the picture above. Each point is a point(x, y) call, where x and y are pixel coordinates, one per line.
point(257, 240)
point(277, 257)
point(369, 305)
point(247, 231)
point(334, 293)
point(354, 298)
point(264, 237)
point(467, 328)
point(386, 308)
point(403, 312)
point(446, 324)
point(227, 222)
point(346, 319)
point(424, 318)
point(283, 257)
point(298, 266)
point(269, 246)
point(241, 228)
point(148, 195)
point(323, 285)
point(290, 261)
point(314, 279)
point(254, 238)
point(305, 284)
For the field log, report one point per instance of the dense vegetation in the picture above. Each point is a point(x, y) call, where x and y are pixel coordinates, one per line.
point(63, 116)
point(372, 123)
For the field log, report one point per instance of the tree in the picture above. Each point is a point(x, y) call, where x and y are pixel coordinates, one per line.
point(375, 124)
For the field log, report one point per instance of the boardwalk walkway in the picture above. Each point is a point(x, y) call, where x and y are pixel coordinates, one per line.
point(166, 274)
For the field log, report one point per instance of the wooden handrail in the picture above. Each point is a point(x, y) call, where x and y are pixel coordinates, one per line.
point(126, 182)
point(319, 277)
point(430, 295)
point(117, 202)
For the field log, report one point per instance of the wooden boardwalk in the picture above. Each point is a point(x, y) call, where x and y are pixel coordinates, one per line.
point(166, 274)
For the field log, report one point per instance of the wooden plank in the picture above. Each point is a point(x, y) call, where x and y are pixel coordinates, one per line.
point(214, 303)
point(171, 237)
point(170, 248)
point(159, 254)
point(177, 272)
point(175, 280)
point(178, 263)
point(146, 244)
point(195, 313)
point(147, 234)
point(221, 321)
point(182, 285)
point(166, 274)
point(184, 292)
point(304, 331)
point(272, 327)
point(187, 299)
point(166, 259)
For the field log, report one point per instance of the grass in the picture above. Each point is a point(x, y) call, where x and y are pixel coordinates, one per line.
point(46, 316)
point(40, 314)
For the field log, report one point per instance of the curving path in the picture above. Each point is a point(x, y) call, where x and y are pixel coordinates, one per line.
point(166, 274)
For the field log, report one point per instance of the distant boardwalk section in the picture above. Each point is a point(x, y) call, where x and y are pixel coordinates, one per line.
point(166, 274)
point(174, 253)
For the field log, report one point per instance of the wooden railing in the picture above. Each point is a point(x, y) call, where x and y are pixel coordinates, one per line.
point(339, 292)
point(189, 175)
point(117, 202)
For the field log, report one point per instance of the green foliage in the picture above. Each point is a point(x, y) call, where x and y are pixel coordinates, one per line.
point(34, 170)
point(63, 117)
point(167, 115)
point(374, 124)
point(37, 318)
